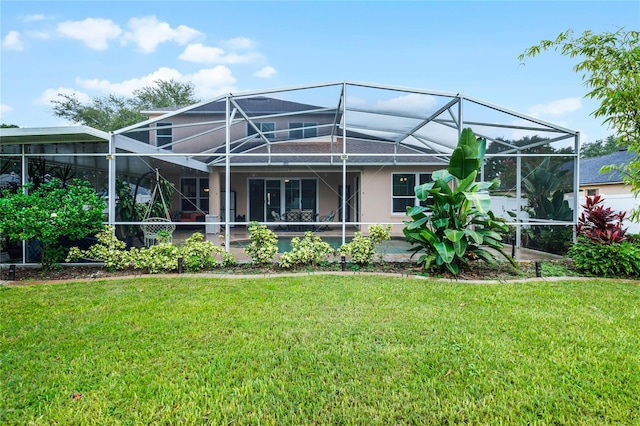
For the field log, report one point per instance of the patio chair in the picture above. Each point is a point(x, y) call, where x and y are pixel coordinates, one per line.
point(277, 218)
point(326, 219)
point(153, 227)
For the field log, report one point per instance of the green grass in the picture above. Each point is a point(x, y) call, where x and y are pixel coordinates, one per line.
point(320, 350)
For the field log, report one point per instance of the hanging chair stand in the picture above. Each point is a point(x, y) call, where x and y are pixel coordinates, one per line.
point(156, 229)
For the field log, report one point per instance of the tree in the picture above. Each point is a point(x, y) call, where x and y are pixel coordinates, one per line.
point(602, 147)
point(611, 71)
point(50, 212)
point(113, 112)
point(8, 126)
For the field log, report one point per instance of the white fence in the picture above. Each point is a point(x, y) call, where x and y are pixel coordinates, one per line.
point(625, 202)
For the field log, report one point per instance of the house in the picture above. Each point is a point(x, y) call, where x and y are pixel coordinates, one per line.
point(301, 153)
point(610, 185)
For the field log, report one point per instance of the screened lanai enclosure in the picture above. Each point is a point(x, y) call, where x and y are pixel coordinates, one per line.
point(332, 158)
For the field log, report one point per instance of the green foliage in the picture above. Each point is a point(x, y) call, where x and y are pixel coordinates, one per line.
point(162, 257)
point(310, 250)
point(361, 250)
point(113, 112)
point(544, 185)
point(108, 249)
point(606, 260)
point(602, 147)
point(458, 224)
point(379, 233)
point(199, 254)
point(609, 68)
point(127, 210)
point(50, 212)
point(264, 243)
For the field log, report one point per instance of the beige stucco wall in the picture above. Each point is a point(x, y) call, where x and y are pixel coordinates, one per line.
point(607, 189)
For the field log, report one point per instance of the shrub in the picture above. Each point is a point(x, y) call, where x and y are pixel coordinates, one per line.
point(600, 224)
point(49, 212)
point(264, 243)
point(606, 260)
point(161, 257)
point(362, 249)
point(311, 250)
point(109, 249)
point(199, 254)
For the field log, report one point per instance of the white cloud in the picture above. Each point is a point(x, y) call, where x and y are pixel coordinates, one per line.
point(208, 82)
point(52, 94)
point(4, 108)
point(147, 33)
point(213, 82)
point(556, 108)
point(266, 72)
point(199, 53)
point(239, 43)
point(126, 87)
point(34, 18)
point(12, 41)
point(94, 32)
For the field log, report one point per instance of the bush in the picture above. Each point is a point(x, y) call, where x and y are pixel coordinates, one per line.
point(311, 250)
point(362, 249)
point(109, 250)
point(199, 254)
point(49, 212)
point(161, 257)
point(606, 260)
point(600, 224)
point(264, 243)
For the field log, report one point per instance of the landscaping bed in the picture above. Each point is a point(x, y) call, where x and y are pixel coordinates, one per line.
point(478, 271)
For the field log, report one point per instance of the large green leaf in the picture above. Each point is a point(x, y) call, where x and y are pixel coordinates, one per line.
point(467, 156)
point(445, 250)
point(417, 223)
point(467, 182)
point(480, 200)
point(454, 234)
point(422, 191)
point(415, 211)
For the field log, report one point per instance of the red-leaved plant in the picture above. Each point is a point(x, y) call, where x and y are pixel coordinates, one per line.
point(600, 224)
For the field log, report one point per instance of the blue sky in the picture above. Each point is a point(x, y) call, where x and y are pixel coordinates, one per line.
point(99, 48)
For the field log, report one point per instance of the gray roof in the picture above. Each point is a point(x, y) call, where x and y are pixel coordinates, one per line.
point(256, 105)
point(590, 167)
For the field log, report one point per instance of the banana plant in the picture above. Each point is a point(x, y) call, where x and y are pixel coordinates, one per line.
point(458, 226)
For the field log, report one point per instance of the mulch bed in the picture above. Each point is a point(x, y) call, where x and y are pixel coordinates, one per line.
point(479, 271)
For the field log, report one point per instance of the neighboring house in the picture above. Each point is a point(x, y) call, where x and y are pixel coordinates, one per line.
point(354, 149)
point(609, 185)
point(593, 182)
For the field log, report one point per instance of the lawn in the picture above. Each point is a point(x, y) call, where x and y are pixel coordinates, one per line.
point(320, 350)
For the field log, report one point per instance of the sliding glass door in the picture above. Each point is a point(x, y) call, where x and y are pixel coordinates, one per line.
point(269, 196)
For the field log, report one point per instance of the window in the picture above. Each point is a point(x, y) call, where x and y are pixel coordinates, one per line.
point(592, 192)
point(268, 129)
point(302, 130)
point(164, 135)
point(403, 194)
point(194, 195)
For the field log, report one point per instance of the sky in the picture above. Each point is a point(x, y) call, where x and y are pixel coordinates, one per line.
point(95, 48)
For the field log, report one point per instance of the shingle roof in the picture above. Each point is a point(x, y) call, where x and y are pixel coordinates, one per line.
point(253, 105)
point(590, 167)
